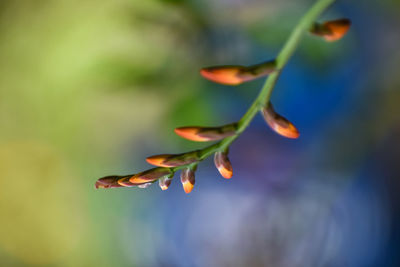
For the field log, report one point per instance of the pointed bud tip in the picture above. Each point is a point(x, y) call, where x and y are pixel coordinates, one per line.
point(338, 28)
point(279, 124)
point(225, 75)
point(157, 160)
point(190, 133)
point(227, 174)
point(163, 187)
point(135, 179)
point(332, 30)
point(187, 187)
point(188, 179)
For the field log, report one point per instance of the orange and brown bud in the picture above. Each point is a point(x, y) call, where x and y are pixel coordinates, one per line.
point(235, 75)
point(331, 30)
point(223, 164)
point(108, 182)
point(204, 134)
point(125, 182)
point(278, 123)
point(149, 176)
point(187, 179)
point(173, 160)
point(164, 182)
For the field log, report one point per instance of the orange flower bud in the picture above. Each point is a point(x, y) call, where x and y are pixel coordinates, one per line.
point(125, 182)
point(187, 180)
point(108, 182)
point(229, 75)
point(164, 182)
point(204, 134)
point(223, 164)
point(173, 160)
point(235, 75)
point(278, 123)
point(332, 30)
point(149, 176)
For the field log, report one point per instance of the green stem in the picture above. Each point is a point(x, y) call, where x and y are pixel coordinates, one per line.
point(264, 96)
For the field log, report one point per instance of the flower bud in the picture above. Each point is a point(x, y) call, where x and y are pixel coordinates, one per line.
point(223, 164)
point(331, 30)
point(125, 182)
point(187, 179)
point(173, 160)
point(204, 134)
point(149, 175)
point(108, 182)
point(235, 75)
point(164, 182)
point(278, 123)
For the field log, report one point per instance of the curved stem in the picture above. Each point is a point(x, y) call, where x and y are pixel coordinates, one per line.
point(264, 96)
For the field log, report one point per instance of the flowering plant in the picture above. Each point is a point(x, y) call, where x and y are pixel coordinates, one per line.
point(168, 164)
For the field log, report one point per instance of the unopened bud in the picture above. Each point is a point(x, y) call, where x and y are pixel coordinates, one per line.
point(164, 182)
point(204, 134)
point(331, 30)
point(125, 182)
point(235, 75)
point(108, 182)
point(278, 123)
point(223, 164)
point(149, 175)
point(187, 179)
point(173, 160)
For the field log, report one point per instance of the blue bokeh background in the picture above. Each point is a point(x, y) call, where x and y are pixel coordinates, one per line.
point(91, 89)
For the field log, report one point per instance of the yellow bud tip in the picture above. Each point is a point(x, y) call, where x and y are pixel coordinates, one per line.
point(158, 160)
point(163, 187)
point(226, 173)
point(164, 183)
point(190, 133)
point(137, 180)
point(290, 131)
point(228, 75)
point(187, 187)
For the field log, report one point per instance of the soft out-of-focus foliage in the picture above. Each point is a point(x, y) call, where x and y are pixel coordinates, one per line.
point(90, 88)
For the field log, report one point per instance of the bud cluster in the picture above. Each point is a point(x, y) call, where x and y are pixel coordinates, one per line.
point(168, 164)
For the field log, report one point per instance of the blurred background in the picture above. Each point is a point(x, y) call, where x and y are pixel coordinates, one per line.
point(90, 88)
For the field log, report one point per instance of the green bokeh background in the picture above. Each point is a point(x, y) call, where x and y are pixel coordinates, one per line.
point(90, 88)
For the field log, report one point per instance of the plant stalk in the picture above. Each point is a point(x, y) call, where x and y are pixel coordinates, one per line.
point(264, 96)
